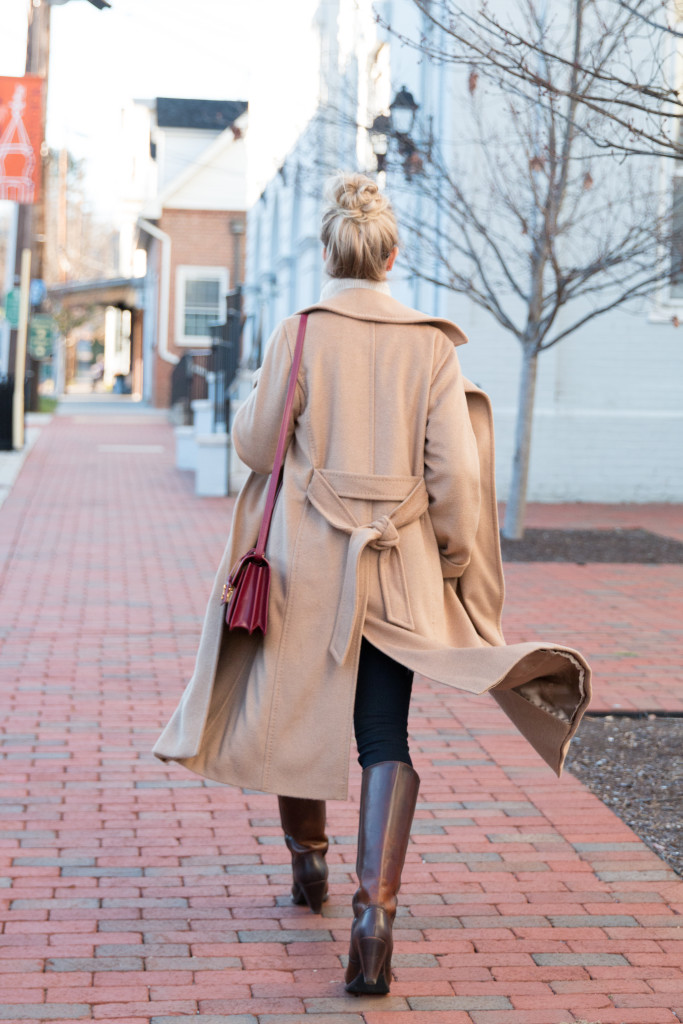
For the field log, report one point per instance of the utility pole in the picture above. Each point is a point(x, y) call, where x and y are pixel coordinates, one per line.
point(62, 215)
point(18, 399)
point(31, 219)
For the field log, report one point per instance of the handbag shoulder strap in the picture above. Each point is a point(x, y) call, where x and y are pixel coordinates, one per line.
point(280, 451)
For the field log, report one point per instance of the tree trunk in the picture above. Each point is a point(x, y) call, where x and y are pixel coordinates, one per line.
point(515, 509)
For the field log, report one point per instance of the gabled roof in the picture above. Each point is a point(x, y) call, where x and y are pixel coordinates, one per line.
point(212, 152)
point(208, 115)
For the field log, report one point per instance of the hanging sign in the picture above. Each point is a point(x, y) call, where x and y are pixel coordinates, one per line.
point(21, 136)
point(40, 336)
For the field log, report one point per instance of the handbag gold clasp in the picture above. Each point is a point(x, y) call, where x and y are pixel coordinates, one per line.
point(228, 591)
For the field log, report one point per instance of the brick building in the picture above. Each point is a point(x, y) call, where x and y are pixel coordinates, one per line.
point(190, 224)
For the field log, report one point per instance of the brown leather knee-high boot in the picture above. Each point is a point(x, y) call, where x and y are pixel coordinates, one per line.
point(388, 798)
point(303, 822)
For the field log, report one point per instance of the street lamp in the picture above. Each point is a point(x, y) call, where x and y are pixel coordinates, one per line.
point(403, 111)
point(399, 125)
point(379, 139)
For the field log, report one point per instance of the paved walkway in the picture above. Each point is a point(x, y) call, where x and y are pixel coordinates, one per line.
point(131, 891)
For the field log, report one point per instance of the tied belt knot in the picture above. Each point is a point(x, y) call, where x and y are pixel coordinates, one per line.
point(327, 492)
point(387, 534)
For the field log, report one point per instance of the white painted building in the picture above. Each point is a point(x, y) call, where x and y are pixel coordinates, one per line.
point(608, 421)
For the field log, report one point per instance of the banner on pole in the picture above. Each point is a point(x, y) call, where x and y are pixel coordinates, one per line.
point(21, 136)
point(41, 334)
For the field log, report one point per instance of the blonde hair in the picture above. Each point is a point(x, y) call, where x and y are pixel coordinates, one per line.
point(359, 228)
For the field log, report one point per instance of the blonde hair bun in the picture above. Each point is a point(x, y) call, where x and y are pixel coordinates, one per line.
point(359, 228)
point(357, 197)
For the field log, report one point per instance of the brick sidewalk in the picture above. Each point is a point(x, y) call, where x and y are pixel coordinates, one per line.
point(135, 891)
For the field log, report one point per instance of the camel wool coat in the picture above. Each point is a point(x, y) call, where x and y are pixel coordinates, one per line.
point(385, 527)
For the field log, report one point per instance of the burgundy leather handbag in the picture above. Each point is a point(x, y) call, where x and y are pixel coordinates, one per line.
point(246, 589)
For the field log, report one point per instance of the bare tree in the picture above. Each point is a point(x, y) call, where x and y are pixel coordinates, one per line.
point(79, 245)
point(623, 75)
point(532, 226)
point(536, 214)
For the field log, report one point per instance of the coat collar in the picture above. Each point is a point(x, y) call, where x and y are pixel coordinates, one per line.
point(367, 304)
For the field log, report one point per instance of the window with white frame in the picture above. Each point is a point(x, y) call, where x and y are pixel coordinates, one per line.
point(200, 301)
point(674, 293)
point(676, 279)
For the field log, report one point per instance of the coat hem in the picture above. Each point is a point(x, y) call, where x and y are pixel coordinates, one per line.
point(285, 790)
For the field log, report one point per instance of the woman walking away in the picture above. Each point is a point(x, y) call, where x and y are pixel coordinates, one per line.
point(385, 561)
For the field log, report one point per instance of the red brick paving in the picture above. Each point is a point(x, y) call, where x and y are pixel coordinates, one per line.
point(131, 891)
point(627, 618)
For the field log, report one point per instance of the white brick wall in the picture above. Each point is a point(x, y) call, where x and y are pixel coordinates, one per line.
point(608, 420)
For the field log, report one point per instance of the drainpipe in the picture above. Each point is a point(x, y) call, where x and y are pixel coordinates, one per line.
point(165, 290)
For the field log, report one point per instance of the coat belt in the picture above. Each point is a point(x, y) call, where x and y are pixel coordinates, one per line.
point(326, 492)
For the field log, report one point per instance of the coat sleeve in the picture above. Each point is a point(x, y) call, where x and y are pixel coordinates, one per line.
point(451, 466)
point(256, 427)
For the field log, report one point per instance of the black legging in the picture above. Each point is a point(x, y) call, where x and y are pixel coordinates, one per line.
point(380, 714)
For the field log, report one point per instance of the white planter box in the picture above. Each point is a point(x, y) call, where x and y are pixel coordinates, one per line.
point(211, 480)
point(202, 415)
point(185, 448)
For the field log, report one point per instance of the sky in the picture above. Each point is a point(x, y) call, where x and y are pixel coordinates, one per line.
point(207, 49)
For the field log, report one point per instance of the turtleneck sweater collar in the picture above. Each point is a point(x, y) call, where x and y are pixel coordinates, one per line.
point(335, 285)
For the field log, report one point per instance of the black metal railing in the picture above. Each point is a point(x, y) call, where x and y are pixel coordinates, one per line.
point(190, 380)
point(209, 373)
point(226, 345)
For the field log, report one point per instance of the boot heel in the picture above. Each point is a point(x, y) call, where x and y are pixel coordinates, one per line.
point(314, 894)
point(372, 953)
point(369, 970)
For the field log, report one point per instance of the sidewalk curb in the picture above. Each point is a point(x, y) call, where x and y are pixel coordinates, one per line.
point(12, 461)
